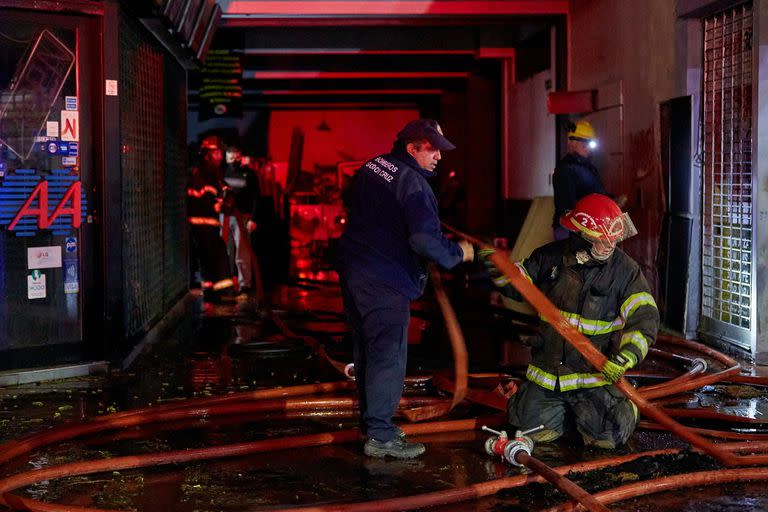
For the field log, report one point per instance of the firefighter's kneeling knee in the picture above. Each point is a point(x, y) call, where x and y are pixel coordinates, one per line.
point(544, 436)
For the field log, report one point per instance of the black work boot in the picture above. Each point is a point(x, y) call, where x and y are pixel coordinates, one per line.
point(397, 448)
point(399, 434)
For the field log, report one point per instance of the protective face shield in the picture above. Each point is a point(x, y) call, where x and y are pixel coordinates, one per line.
point(601, 222)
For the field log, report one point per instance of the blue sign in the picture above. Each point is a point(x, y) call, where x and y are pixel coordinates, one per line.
point(70, 245)
point(57, 147)
point(70, 102)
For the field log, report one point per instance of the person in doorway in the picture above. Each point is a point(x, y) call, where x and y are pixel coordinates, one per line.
point(204, 204)
point(393, 230)
point(243, 185)
point(271, 231)
point(601, 291)
point(575, 176)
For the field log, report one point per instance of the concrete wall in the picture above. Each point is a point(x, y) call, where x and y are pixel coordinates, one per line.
point(532, 140)
point(626, 50)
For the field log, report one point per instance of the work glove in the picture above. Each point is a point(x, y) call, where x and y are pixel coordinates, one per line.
point(498, 278)
point(617, 364)
point(468, 250)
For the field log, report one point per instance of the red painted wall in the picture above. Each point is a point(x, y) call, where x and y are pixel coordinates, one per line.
point(353, 135)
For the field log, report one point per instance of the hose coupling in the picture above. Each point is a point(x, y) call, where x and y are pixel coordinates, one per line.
point(699, 362)
point(519, 444)
point(494, 445)
point(508, 449)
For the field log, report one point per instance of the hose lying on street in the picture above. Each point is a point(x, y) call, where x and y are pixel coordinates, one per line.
point(292, 402)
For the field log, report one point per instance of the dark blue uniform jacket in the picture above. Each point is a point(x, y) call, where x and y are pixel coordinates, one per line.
point(574, 178)
point(393, 226)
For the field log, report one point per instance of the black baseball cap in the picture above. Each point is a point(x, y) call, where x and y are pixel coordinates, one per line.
point(425, 129)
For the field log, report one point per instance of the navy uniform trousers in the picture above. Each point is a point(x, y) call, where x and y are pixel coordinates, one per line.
point(378, 316)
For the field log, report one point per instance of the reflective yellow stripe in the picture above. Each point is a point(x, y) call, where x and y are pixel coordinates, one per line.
point(203, 221)
point(501, 281)
point(540, 377)
point(594, 234)
point(581, 381)
point(634, 301)
point(637, 339)
point(208, 189)
point(567, 382)
point(520, 266)
point(588, 326)
point(592, 327)
point(224, 283)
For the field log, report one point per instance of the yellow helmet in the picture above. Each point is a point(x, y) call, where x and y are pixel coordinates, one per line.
point(582, 130)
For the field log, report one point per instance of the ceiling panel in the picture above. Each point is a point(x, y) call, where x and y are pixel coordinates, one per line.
point(377, 53)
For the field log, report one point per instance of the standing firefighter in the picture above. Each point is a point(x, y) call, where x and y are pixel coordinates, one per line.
point(204, 203)
point(393, 230)
point(601, 291)
point(575, 175)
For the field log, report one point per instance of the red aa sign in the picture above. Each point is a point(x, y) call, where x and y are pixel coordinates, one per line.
point(72, 196)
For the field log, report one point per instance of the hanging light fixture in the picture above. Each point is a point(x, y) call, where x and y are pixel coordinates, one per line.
point(323, 126)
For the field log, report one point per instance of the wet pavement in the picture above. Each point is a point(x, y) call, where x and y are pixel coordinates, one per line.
point(236, 348)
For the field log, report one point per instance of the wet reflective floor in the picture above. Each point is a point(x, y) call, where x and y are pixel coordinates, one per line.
point(236, 348)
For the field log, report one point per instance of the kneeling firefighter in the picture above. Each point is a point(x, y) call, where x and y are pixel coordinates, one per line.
point(601, 291)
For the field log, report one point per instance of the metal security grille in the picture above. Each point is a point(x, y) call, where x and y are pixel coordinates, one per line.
point(141, 108)
point(176, 232)
point(727, 282)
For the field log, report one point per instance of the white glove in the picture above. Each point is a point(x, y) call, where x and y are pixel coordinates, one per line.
point(468, 249)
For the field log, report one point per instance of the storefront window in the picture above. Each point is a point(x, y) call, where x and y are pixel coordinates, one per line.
point(42, 195)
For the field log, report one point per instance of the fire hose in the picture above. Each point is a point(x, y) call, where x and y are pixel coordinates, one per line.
point(460, 358)
point(16, 481)
point(227, 406)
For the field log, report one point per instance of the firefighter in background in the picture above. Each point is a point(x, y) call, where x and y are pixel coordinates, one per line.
point(244, 186)
point(204, 204)
point(575, 175)
point(601, 291)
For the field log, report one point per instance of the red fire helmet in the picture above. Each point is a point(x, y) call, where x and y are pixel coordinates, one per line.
point(598, 217)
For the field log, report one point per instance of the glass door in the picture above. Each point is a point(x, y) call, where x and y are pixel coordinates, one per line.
point(47, 65)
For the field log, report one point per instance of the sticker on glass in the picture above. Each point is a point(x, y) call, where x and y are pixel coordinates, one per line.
point(71, 281)
point(44, 257)
point(36, 285)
